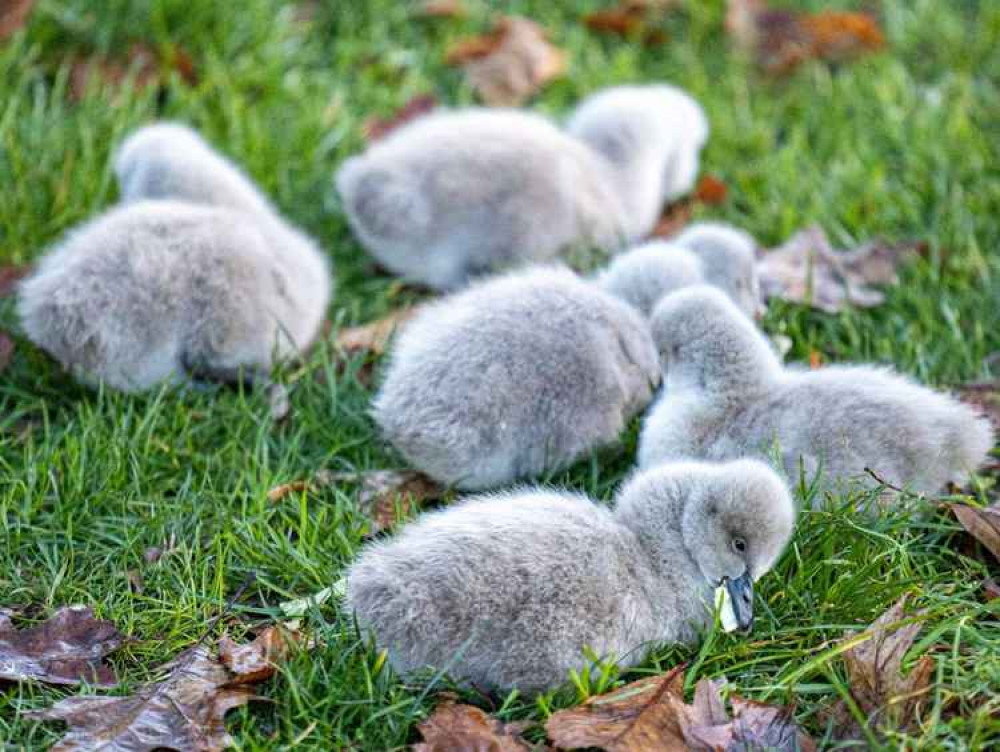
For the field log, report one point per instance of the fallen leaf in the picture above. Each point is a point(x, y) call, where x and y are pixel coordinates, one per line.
point(373, 337)
point(991, 589)
point(279, 492)
point(780, 40)
point(815, 359)
point(10, 276)
point(631, 19)
point(511, 63)
point(442, 9)
point(255, 661)
point(983, 524)
point(675, 218)
point(184, 711)
point(454, 727)
point(68, 648)
point(643, 715)
point(376, 128)
point(6, 350)
point(13, 14)
point(650, 714)
point(382, 491)
point(806, 269)
point(985, 396)
point(875, 678)
point(710, 191)
point(144, 64)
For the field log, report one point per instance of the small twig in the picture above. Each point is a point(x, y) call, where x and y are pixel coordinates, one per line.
point(882, 481)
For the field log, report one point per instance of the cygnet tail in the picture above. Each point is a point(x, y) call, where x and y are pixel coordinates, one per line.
point(381, 203)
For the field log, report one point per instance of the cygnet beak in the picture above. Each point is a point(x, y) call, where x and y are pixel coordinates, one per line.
point(741, 596)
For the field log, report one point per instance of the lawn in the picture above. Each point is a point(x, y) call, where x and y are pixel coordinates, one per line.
point(903, 144)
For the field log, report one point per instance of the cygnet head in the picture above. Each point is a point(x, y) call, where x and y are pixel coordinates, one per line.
point(729, 261)
point(643, 275)
point(735, 519)
point(705, 342)
point(629, 123)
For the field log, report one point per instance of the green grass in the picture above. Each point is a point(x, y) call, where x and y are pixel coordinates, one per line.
point(905, 144)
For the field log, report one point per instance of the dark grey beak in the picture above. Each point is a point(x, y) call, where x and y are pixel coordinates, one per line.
point(741, 595)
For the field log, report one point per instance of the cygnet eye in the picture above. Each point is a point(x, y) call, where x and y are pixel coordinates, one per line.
point(739, 545)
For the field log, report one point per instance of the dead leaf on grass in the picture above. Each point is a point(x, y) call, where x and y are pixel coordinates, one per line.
point(631, 19)
point(984, 396)
point(806, 269)
point(146, 66)
point(464, 727)
point(10, 276)
point(710, 191)
point(650, 714)
point(441, 9)
point(377, 128)
point(255, 661)
point(511, 63)
point(68, 648)
point(381, 492)
point(185, 710)
point(875, 677)
point(13, 14)
point(375, 336)
point(780, 40)
point(982, 523)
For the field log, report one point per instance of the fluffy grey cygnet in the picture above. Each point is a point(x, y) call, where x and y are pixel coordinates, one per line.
point(210, 284)
point(509, 590)
point(707, 252)
point(457, 194)
point(651, 136)
point(726, 395)
point(514, 377)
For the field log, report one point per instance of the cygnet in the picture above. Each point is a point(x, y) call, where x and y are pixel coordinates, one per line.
point(510, 591)
point(514, 377)
point(457, 194)
point(162, 290)
point(706, 253)
point(726, 395)
point(651, 136)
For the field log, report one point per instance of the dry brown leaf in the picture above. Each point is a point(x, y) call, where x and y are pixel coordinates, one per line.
point(68, 648)
point(985, 396)
point(255, 661)
point(442, 9)
point(13, 14)
point(991, 589)
point(781, 40)
point(807, 269)
point(147, 67)
point(296, 486)
point(6, 350)
point(10, 276)
point(456, 728)
point(710, 191)
point(511, 63)
point(983, 524)
point(651, 714)
point(381, 492)
point(640, 717)
point(373, 337)
point(631, 19)
point(376, 128)
point(675, 218)
point(874, 670)
point(186, 710)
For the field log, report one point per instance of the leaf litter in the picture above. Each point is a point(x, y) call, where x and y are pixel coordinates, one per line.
point(780, 40)
point(650, 715)
point(68, 648)
point(511, 63)
point(453, 726)
point(807, 269)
